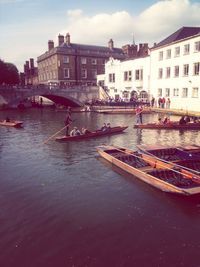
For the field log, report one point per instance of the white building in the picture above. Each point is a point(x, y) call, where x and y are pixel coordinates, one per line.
point(171, 71)
point(126, 79)
point(175, 69)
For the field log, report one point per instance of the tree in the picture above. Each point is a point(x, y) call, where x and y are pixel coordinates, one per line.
point(8, 73)
point(2, 71)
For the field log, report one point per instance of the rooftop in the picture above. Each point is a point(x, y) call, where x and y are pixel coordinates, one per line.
point(180, 34)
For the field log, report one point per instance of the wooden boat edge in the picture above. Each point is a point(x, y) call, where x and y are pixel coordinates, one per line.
point(153, 181)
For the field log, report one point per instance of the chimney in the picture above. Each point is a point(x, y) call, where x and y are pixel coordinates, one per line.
point(50, 45)
point(67, 39)
point(111, 44)
point(32, 65)
point(60, 39)
point(26, 68)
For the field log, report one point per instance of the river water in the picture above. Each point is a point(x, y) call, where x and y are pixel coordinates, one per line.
point(61, 205)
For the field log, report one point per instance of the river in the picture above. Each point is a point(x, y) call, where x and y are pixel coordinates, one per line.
point(61, 205)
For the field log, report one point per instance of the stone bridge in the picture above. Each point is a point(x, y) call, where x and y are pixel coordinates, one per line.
point(74, 97)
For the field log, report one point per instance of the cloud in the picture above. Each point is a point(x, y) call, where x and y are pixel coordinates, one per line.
point(152, 25)
point(165, 17)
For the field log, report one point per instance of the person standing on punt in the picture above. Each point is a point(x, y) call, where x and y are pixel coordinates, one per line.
point(68, 121)
point(138, 113)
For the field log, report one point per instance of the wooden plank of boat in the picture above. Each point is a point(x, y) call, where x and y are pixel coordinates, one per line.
point(167, 180)
point(169, 126)
point(174, 153)
point(11, 123)
point(98, 133)
point(174, 157)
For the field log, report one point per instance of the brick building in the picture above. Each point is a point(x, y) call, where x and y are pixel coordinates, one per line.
point(69, 64)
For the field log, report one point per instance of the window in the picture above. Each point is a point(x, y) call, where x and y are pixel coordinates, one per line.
point(176, 92)
point(169, 52)
point(83, 60)
point(196, 68)
point(159, 92)
point(94, 74)
point(138, 74)
point(167, 92)
point(185, 92)
point(65, 59)
point(160, 73)
point(185, 69)
point(111, 77)
point(94, 61)
point(195, 92)
point(83, 73)
point(66, 73)
point(125, 94)
point(177, 51)
point(186, 49)
point(127, 76)
point(161, 55)
point(168, 72)
point(176, 71)
point(197, 46)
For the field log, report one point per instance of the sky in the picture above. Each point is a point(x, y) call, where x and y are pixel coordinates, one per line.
point(27, 25)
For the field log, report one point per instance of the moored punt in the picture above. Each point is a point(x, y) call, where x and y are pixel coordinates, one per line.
point(172, 153)
point(98, 133)
point(169, 126)
point(11, 123)
point(121, 111)
point(165, 179)
point(185, 157)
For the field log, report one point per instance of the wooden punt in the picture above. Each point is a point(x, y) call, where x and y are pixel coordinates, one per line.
point(11, 123)
point(121, 111)
point(174, 153)
point(165, 179)
point(98, 133)
point(169, 126)
point(185, 157)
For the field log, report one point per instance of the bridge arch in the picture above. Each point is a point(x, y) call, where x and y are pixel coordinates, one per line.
point(65, 101)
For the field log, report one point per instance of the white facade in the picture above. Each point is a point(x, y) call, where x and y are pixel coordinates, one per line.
point(124, 79)
point(171, 71)
point(174, 73)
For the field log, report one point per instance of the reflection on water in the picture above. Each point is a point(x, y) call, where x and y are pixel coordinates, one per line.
point(63, 206)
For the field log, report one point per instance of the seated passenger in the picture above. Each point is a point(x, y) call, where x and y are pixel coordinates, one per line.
point(7, 119)
point(187, 119)
point(182, 120)
point(85, 131)
point(75, 132)
point(166, 120)
point(160, 121)
point(104, 127)
point(108, 126)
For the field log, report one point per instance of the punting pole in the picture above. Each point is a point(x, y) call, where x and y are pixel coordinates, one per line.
point(54, 135)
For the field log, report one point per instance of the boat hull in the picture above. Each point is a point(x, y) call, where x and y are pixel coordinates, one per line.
point(169, 126)
point(144, 175)
point(99, 133)
point(16, 124)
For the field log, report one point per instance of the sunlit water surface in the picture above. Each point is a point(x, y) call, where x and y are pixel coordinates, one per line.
point(61, 205)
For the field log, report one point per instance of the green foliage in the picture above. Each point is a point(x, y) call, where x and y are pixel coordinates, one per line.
point(8, 73)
